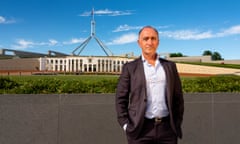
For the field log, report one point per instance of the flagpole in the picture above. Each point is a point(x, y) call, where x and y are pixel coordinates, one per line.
point(92, 24)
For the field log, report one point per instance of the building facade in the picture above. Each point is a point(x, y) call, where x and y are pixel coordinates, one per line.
point(86, 64)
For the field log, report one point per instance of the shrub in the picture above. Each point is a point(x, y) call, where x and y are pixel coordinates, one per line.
point(104, 84)
point(222, 83)
point(7, 84)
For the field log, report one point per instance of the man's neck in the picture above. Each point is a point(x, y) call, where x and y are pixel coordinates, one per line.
point(150, 58)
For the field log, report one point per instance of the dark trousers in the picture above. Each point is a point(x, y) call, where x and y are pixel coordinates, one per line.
point(155, 133)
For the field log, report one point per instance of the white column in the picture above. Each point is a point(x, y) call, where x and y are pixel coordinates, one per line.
point(54, 63)
point(58, 63)
point(70, 64)
point(75, 65)
point(78, 65)
point(42, 65)
point(67, 65)
point(108, 66)
point(97, 66)
point(112, 64)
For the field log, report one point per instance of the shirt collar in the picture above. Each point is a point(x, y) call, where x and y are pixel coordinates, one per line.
point(144, 60)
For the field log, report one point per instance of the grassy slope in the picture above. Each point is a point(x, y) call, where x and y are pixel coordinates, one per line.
point(235, 66)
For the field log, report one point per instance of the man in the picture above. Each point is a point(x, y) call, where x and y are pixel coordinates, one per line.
point(149, 99)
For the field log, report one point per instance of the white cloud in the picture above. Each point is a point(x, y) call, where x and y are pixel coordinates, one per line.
point(53, 42)
point(132, 37)
point(124, 39)
point(74, 41)
point(126, 28)
point(199, 35)
point(106, 12)
point(187, 34)
point(230, 31)
point(3, 20)
point(24, 44)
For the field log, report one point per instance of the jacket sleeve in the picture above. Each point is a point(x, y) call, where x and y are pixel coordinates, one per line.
point(178, 101)
point(122, 96)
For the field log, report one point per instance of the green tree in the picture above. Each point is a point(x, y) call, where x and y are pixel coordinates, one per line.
point(176, 55)
point(207, 53)
point(214, 55)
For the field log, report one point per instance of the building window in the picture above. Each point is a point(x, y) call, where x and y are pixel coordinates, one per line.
point(89, 68)
point(89, 60)
point(94, 68)
point(85, 68)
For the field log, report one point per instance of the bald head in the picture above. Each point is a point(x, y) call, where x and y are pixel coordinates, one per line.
point(148, 26)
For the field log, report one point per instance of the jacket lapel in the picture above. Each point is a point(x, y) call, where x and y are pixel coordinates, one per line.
point(169, 85)
point(140, 76)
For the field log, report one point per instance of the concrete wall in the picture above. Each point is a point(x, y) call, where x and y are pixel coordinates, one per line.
point(17, 64)
point(191, 59)
point(227, 61)
point(210, 118)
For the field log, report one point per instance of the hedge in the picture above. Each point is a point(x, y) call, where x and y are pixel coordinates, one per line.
point(105, 84)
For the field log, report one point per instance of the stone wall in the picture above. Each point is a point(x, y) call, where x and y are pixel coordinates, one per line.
point(19, 64)
point(209, 118)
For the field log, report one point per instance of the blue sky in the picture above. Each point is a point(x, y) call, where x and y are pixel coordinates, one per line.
point(186, 26)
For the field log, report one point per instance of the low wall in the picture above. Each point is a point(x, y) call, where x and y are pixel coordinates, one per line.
point(19, 64)
point(209, 118)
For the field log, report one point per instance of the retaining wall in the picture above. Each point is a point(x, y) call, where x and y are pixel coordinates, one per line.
point(210, 118)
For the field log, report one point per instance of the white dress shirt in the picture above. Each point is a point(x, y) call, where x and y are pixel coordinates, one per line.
point(156, 87)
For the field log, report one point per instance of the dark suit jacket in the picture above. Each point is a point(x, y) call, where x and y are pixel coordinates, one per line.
point(131, 96)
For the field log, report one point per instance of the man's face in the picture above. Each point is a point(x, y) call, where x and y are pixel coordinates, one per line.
point(148, 41)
